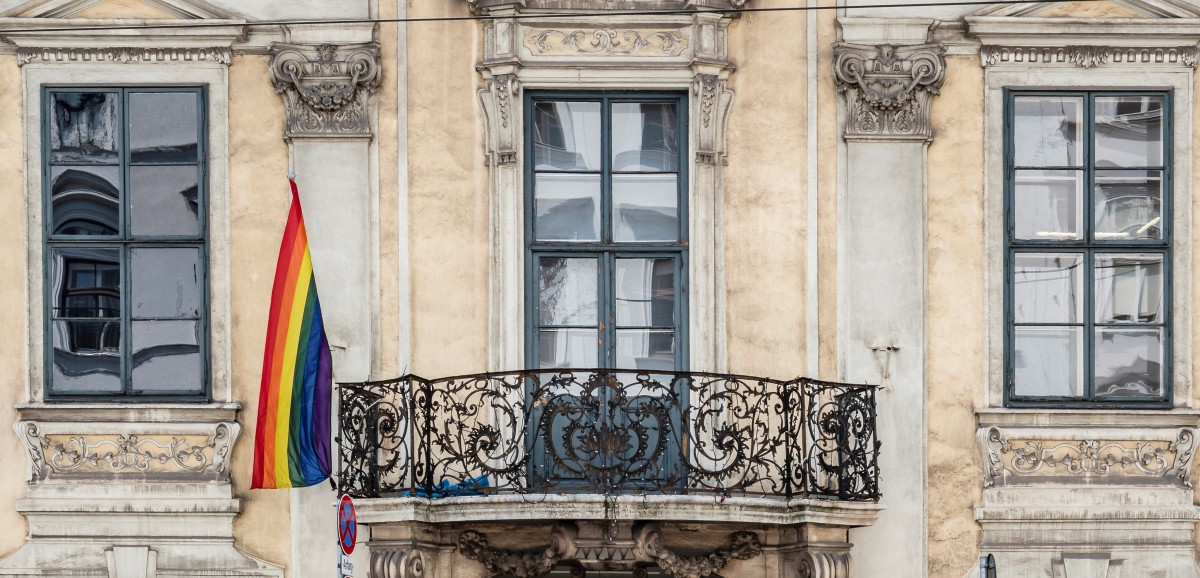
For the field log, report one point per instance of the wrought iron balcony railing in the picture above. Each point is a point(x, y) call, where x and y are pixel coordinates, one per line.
point(608, 431)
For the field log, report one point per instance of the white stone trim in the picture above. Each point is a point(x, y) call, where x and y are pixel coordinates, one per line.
point(34, 76)
point(999, 77)
point(622, 507)
point(510, 67)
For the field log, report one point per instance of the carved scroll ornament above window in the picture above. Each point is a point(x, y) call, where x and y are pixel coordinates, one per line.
point(594, 5)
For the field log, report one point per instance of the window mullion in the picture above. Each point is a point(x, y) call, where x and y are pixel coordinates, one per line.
point(126, 268)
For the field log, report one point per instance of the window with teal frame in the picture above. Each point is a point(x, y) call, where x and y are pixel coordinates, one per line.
point(1088, 268)
point(125, 254)
point(606, 230)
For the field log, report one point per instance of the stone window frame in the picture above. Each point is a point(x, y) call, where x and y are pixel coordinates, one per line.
point(211, 71)
point(1022, 76)
point(131, 242)
point(677, 53)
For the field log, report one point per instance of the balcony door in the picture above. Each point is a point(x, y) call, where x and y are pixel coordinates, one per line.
point(606, 240)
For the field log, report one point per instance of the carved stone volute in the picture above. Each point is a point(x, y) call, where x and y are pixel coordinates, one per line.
point(889, 89)
point(326, 88)
point(397, 563)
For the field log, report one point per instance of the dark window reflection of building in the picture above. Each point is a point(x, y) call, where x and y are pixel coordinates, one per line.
point(85, 127)
point(84, 203)
point(92, 292)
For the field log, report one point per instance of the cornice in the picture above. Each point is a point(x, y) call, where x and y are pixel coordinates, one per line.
point(1090, 56)
point(1111, 32)
point(125, 55)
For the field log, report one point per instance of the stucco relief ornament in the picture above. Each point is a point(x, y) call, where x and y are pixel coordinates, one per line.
point(1004, 457)
point(889, 89)
point(609, 41)
point(326, 88)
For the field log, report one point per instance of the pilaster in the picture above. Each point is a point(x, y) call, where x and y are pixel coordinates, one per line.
point(887, 88)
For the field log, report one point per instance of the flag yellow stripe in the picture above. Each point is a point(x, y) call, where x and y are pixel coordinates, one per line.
point(286, 378)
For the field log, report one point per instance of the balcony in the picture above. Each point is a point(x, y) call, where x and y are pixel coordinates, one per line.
point(585, 433)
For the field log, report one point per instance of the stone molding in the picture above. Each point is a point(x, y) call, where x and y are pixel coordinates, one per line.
point(196, 452)
point(1089, 56)
point(125, 55)
point(397, 563)
point(646, 547)
point(1163, 456)
point(326, 88)
point(888, 89)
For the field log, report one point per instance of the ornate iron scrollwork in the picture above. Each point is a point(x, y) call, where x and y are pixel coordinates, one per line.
point(608, 431)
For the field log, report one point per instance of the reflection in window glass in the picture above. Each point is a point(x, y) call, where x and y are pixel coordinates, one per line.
point(1089, 248)
point(125, 259)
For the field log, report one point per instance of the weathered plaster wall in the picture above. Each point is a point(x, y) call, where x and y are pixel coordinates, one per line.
point(258, 164)
point(766, 195)
point(829, 141)
point(387, 139)
point(955, 317)
point(448, 202)
point(13, 262)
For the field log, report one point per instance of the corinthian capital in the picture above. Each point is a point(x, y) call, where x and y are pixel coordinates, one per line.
point(325, 88)
point(888, 89)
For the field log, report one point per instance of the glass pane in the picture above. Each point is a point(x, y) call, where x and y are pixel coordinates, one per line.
point(1128, 205)
point(1047, 205)
point(1047, 288)
point(1048, 361)
point(645, 292)
point(162, 127)
point(85, 283)
point(85, 200)
point(1129, 362)
point(1129, 131)
point(1129, 288)
point(166, 356)
point(83, 127)
point(164, 200)
point(87, 356)
point(566, 207)
point(573, 348)
point(648, 349)
point(645, 207)
point(644, 137)
point(1046, 131)
point(566, 136)
point(567, 291)
point(166, 282)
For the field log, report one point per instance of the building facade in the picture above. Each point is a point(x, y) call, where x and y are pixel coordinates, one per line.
point(955, 240)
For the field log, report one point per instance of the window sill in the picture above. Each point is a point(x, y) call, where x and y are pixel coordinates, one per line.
point(1046, 417)
point(165, 412)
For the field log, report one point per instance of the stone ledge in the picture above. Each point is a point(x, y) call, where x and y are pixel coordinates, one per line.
point(128, 412)
point(594, 507)
point(1012, 417)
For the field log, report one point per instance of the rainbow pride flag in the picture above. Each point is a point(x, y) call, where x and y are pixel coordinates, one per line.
point(291, 445)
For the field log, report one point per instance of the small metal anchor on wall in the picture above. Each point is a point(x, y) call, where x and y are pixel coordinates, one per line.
point(883, 361)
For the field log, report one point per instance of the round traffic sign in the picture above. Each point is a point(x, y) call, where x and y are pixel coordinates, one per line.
point(347, 525)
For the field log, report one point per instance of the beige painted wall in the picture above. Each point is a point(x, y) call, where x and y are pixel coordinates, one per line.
point(258, 205)
point(448, 202)
point(955, 330)
point(766, 195)
point(13, 349)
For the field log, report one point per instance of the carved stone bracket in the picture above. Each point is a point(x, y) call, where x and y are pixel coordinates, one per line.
point(129, 55)
point(326, 88)
point(500, 98)
point(644, 548)
point(818, 562)
point(176, 455)
point(1089, 56)
point(1008, 457)
point(889, 89)
point(714, 101)
point(402, 563)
